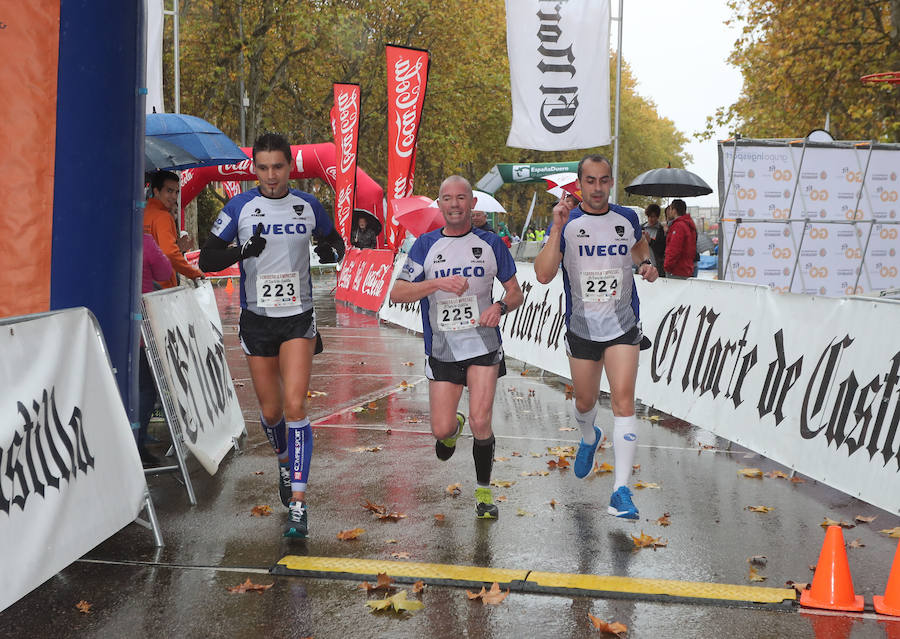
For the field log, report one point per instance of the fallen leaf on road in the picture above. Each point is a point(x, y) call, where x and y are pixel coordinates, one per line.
point(346, 535)
point(398, 602)
point(614, 628)
point(502, 484)
point(408, 364)
point(553, 503)
point(358, 409)
point(707, 446)
point(404, 384)
point(535, 454)
point(570, 391)
point(653, 418)
point(560, 464)
point(535, 473)
point(373, 405)
point(567, 428)
point(382, 581)
point(776, 474)
point(753, 473)
point(84, 607)
point(755, 576)
point(892, 532)
point(261, 511)
point(605, 444)
point(635, 468)
point(797, 585)
point(418, 587)
point(259, 472)
point(796, 479)
point(561, 451)
point(831, 522)
point(515, 454)
point(501, 498)
point(664, 520)
point(501, 459)
point(757, 560)
point(366, 449)
point(312, 393)
point(760, 509)
point(856, 543)
point(493, 596)
point(439, 517)
point(865, 520)
point(413, 420)
point(599, 468)
point(646, 541)
point(524, 372)
point(645, 484)
point(454, 489)
point(248, 586)
point(391, 541)
point(523, 513)
point(400, 555)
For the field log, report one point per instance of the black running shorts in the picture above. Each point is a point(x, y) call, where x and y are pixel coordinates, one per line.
point(263, 336)
point(455, 372)
point(581, 348)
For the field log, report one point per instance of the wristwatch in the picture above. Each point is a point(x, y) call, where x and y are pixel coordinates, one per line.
point(503, 307)
point(645, 262)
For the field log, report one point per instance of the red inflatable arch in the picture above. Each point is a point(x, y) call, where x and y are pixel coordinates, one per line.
point(310, 161)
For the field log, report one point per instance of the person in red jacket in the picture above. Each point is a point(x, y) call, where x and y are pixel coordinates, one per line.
point(681, 241)
point(159, 223)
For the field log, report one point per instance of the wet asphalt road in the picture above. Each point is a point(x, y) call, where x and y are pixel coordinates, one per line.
point(372, 442)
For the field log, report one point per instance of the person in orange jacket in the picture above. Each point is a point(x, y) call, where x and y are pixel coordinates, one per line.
point(159, 223)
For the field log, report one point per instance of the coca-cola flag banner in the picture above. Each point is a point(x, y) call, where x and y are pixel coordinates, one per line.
point(559, 73)
point(345, 125)
point(365, 277)
point(407, 78)
point(231, 188)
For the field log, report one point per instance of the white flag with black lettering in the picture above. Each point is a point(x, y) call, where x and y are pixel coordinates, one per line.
point(559, 73)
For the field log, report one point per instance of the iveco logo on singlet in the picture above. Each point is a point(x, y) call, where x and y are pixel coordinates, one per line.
point(465, 271)
point(590, 250)
point(298, 228)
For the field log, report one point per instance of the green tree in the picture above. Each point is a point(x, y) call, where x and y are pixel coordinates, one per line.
point(803, 59)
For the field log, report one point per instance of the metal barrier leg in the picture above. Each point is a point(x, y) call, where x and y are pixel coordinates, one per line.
point(152, 523)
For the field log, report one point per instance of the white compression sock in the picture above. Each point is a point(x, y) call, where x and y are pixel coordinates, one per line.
point(585, 422)
point(624, 447)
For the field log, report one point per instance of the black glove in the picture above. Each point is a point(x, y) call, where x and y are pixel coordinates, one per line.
point(255, 245)
point(326, 253)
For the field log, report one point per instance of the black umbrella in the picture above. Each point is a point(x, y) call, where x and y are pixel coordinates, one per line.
point(371, 221)
point(668, 183)
point(162, 154)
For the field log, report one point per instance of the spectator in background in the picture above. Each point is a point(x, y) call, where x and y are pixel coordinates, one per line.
point(156, 268)
point(655, 235)
point(504, 235)
point(531, 236)
point(681, 241)
point(479, 221)
point(363, 237)
point(159, 223)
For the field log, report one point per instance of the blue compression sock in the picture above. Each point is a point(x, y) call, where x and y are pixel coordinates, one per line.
point(277, 436)
point(300, 446)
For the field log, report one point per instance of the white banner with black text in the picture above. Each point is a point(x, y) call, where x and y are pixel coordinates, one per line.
point(806, 381)
point(559, 73)
point(71, 475)
point(188, 337)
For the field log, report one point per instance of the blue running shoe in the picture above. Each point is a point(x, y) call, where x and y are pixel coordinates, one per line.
point(584, 458)
point(620, 504)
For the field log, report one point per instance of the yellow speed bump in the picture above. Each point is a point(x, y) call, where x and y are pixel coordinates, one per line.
point(525, 581)
point(438, 574)
point(656, 588)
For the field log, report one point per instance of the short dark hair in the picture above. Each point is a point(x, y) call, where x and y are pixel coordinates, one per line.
point(159, 178)
point(679, 206)
point(652, 209)
point(272, 142)
point(593, 157)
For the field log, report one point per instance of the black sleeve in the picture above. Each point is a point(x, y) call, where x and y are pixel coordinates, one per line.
point(216, 255)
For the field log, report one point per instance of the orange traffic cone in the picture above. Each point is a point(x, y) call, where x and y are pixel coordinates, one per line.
point(890, 603)
point(229, 287)
point(832, 585)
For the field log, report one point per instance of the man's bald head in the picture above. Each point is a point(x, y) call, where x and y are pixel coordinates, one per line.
point(455, 179)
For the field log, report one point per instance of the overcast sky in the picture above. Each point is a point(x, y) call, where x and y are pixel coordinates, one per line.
point(678, 52)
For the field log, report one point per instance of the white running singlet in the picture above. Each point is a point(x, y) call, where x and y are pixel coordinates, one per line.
point(450, 323)
point(278, 282)
point(598, 276)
